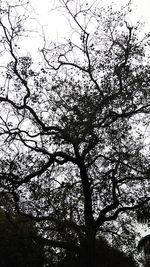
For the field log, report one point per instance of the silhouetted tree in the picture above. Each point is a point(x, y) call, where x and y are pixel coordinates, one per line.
point(72, 155)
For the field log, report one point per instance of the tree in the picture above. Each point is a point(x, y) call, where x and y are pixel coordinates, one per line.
point(72, 156)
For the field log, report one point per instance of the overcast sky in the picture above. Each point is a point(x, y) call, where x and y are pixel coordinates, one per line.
point(46, 17)
point(55, 25)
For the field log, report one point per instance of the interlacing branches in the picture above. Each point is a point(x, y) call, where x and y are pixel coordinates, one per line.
point(71, 156)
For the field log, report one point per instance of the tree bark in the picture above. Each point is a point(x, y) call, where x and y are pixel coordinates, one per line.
point(87, 251)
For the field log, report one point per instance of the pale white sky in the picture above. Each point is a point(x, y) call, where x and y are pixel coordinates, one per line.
point(54, 20)
point(55, 25)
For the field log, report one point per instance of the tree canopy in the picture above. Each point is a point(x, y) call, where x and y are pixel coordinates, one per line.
point(73, 156)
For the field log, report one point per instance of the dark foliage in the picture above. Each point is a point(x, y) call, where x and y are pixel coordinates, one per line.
point(143, 213)
point(19, 242)
point(106, 256)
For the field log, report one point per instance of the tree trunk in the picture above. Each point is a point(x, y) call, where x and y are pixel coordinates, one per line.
point(87, 251)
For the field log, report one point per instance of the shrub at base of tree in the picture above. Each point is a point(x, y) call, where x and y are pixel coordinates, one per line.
point(19, 242)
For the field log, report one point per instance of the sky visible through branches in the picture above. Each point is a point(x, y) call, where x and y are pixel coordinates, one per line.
point(46, 21)
point(75, 115)
point(49, 21)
